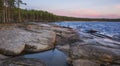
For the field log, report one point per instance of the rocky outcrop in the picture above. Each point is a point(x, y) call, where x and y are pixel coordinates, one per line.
point(64, 39)
point(83, 49)
point(103, 51)
point(33, 37)
point(18, 40)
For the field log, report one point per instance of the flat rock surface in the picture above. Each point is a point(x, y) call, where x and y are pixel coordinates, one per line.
point(84, 63)
point(11, 41)
point(102, 50)
point(22, 62)
point(16, 40)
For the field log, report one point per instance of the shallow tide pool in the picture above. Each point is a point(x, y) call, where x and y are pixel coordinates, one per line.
point(50, 58)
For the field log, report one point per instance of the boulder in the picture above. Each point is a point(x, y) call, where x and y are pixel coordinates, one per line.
point(15, 41)
point(41, 41)
point(11, 41)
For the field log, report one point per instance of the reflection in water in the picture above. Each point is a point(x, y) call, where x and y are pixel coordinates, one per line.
point(51, 58)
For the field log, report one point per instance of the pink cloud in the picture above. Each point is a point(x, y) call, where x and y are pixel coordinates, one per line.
point(85, 13)
point(117, 6)
point(76, 12)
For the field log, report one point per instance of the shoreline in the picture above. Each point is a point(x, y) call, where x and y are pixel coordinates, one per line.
point(81, 48)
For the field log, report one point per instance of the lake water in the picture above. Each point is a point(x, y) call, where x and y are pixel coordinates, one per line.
point(109, 28)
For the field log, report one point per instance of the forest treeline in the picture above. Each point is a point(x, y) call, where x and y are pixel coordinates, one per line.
point(10, 11)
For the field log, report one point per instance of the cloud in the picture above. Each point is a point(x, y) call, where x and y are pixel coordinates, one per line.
point(112, 11)
point(86, 13)
point(117, 6)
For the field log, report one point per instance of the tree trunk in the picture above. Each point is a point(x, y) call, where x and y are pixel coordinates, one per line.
point(19, 14)
point(6, 14)
point(3, 12)
point(9, 19)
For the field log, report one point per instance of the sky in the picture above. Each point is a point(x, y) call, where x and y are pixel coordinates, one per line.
point(77, 8)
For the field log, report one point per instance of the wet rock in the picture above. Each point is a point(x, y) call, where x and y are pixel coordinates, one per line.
point(116, 37)
point(22, 62)
point(84, 36)
point(3, 57)
point(103, 50)
point(81, 62)
point(91, 31)
point(64, 48)
point(114, 65)
point(1, 61)
point(101, 53)
point(64, 39)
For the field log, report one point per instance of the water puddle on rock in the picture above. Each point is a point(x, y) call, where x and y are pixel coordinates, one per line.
point(50, 58)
